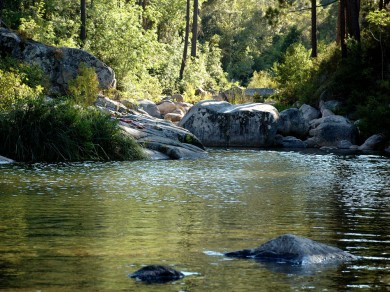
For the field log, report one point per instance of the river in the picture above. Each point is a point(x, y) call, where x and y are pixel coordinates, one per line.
point(86, 226)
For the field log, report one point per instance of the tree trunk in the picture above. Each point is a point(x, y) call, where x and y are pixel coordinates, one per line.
point(342, 28)
point(352, 18)
point(186, 37)
point(83, 33)
point(383, 4)
point(194, 28)
point(1, 11)
point(313, 29)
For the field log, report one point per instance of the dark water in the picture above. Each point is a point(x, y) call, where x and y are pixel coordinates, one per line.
point(85, 227)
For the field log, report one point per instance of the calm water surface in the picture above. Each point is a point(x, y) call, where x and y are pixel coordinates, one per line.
point(86, 226)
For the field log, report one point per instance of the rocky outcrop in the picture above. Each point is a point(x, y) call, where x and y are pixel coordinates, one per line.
point(221, 124)
point(156, 274)
point(295, 250)
point(59, 64)
point(161, 139)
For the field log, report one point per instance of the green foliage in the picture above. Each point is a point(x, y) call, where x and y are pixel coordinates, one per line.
point(85, 86)
point(53, 132)
point(375, 114)
point(13, 90)
point(262, 79)
point(293, 72)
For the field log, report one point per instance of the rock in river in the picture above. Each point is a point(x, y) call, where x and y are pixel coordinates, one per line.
point(221, 124)
point(156, 274)
point(294, 250)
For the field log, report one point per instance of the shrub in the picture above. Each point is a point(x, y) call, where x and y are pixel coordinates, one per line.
point(262, 79)
point(293, 72)
point(84, 87)
point(13, 90)
point(54, 131)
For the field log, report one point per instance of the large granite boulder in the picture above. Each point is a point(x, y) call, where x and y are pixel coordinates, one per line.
point(294, 250)
point(221, 124)
point(59, 64)
point(292, 123)
point(156, 274)
point(329, 131)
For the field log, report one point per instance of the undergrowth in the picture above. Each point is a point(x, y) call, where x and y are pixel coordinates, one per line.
point(41, 131)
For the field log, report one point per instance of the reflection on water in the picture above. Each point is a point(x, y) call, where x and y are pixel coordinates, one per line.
point(86, 226)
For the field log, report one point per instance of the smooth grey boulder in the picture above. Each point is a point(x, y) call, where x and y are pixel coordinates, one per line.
point(59, 64)
point(292, 123)
point(221, 124)
point(331, 130)
point(150, 107)
point(375, 142)
point(295, 250)
point(309, 113)
point(156, 274)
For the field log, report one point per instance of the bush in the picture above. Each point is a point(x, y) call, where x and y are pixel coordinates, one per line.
point(13, 90)
point(54, 131)
point(84, 87)
point(293, 72)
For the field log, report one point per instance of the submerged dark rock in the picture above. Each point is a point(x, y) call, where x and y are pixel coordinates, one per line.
point(156, 274)
point(294, 250)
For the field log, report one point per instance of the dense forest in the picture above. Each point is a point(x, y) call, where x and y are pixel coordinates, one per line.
point(303, 49)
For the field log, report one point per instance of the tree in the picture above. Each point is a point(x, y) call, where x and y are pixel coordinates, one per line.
point(1, 10)
point(348, 23)
point(83, 8)
point(186, 36)
point(383, 4)
point(352, 18)
point(313, 29)
point(194, 28)
point(341, 28)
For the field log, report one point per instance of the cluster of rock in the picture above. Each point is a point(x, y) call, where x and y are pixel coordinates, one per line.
point(321, 128)
point(170, 108)
point(161, 139)
point(221, 124)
